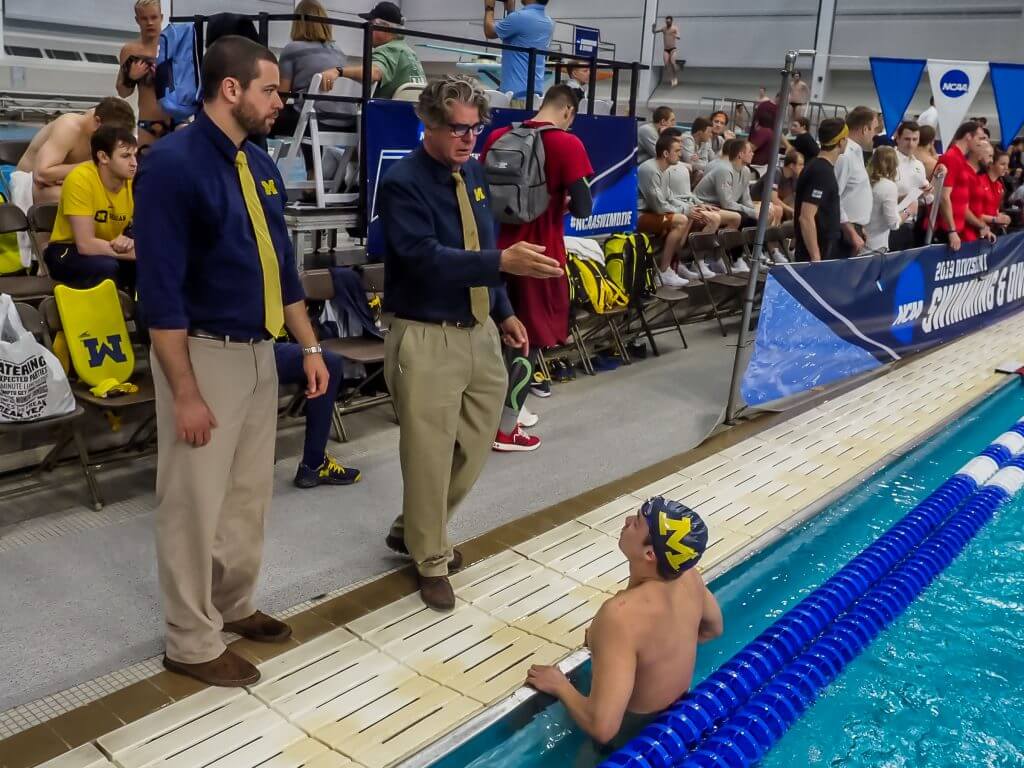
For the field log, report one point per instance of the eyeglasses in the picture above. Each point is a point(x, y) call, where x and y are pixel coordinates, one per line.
point(460, 130)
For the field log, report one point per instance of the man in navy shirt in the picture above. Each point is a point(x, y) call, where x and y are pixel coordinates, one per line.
point(530, 27)
point(217, 283)
point(443, 283)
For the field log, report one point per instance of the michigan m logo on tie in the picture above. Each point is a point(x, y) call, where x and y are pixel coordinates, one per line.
point(676, 530)
point(269, 187)
point(99, 350)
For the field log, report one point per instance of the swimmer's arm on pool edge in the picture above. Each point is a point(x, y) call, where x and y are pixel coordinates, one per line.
point(614, 672)
point(711, 623)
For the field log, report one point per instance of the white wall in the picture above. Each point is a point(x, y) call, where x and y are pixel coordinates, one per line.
point(619, 20)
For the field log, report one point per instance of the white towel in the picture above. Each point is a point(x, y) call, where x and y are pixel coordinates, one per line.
point(21, 196)
point(585, 248)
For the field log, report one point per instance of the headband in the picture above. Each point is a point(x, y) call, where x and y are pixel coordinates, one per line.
point(835, 142)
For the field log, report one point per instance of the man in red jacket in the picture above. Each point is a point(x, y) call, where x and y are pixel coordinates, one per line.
point(543, 305)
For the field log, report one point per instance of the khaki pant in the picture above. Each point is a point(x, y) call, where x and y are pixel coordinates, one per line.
point(449, 385)
point(212, 500)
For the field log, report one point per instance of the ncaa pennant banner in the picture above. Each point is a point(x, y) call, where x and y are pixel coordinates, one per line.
point(824, 322)
point(393, 131)
point(954, 86)
point(1008, 87)
point(895, 82)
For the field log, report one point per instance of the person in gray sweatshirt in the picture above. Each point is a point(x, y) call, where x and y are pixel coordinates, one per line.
point(647, 134)
point(726, 183)
point(697, 151)
point(667, 208)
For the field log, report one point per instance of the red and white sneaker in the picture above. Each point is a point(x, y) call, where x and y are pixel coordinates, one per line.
point(517, 441)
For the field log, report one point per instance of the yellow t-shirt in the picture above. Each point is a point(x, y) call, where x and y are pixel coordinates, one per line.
point(83, 194)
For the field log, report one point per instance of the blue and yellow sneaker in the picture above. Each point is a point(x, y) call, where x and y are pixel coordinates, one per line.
point(540, 385)
point(328, 473)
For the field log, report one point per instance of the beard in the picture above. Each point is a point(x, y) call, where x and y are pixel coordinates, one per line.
point(252, 121)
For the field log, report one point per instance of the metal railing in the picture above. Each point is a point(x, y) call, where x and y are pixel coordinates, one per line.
point(43, 106)
point(263, 21)
point(741, 111)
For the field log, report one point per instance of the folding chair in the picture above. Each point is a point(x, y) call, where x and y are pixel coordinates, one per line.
point(319, 286)
point(734, 243)
point(499, 98)
point(665, 299)
point(23, 287)
point(41, 218)
point(601, 106)
point(66, 426)
point(719, 288)
point(144, 399)
point(333, 150)
point(410, 91)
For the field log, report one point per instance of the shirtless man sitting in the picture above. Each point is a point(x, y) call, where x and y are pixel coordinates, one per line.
point(65, 143)
point(644, 639)
point(138, 70)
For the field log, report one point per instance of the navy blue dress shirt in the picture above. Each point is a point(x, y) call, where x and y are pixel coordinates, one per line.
point(428, 271)
point(198, 262)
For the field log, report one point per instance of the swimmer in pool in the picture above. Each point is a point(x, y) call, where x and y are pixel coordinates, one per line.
point(644, 639)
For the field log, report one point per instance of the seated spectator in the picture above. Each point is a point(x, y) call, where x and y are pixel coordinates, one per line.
point(762, 137)
point(317, 467)
point(59, 147)
point(792, 167)
point(697, 151)
point(661, 213)
point(579, 80)
point(394, 62)
point(990, 192)
point(88, 244)
point(727, 184)
point(643, 641)
point(886, 217)
point(529, 27)
point(310, 52)
point(720, 132)
point(647, 134)
point(802, 140)
point(925, 151)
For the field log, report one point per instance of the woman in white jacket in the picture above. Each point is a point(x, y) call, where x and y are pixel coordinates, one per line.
point(885, 214)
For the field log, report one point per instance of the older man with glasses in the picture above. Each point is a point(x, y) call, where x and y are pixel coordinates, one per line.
point(443, 282)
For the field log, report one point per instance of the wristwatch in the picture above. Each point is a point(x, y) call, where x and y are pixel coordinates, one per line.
point(314, 350)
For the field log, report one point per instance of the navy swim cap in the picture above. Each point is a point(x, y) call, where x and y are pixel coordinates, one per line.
point(678, 535)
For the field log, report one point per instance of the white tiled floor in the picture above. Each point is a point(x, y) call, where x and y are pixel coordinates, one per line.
point(397, 679)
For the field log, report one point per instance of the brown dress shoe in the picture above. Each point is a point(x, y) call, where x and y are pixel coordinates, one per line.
point(437, 592)
point(261, 628)
point(397, 544)
point(229, 670)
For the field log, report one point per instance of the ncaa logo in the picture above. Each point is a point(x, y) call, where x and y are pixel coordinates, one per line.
point(955, 83)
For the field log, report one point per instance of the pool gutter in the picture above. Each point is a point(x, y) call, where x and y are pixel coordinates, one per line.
point(524, 695)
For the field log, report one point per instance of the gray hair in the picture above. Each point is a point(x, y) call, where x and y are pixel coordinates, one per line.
point(434, 106)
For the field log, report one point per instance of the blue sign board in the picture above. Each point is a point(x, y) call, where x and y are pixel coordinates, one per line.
point(586, 41)
point(393, 130)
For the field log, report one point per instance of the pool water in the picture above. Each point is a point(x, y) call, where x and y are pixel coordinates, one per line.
point(941, 687)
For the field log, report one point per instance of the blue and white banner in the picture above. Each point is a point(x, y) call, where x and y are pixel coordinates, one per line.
point(824, 322)
point(586, 40)
point(393, 131)
point(1008, 88)
point(954, 86)
point(895, 82)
